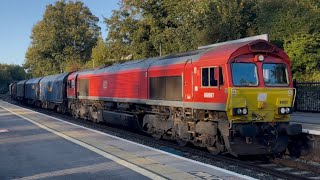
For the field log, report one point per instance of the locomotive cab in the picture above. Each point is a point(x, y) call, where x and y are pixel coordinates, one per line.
point(260, 100)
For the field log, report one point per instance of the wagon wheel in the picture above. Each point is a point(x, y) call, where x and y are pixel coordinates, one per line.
point(156, 136)
point(152, 131)
point(63, 110)
point(213, 150)
point(181, 142)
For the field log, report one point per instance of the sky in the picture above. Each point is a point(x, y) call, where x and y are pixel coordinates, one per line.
point(17, 17)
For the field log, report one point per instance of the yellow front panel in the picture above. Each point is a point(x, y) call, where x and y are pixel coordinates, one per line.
point(262, 103)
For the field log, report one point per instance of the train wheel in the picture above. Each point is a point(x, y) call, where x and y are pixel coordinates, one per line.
point(181, 142)
point(63, 110)
point(213, 150)
point(156, 136)
point(152, 131)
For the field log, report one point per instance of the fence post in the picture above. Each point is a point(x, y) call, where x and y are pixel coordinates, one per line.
point(295, 103)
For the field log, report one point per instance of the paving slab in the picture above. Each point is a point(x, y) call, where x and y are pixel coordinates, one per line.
point(310, 122)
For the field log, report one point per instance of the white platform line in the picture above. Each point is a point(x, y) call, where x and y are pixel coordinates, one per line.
point(122, 162)
point(309, 131)
point(151, 148)
point(307, 123)
point(3, 130)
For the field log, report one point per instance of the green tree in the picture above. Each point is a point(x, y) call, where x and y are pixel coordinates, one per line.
point(282, 19)
point(144, 28)
point(304, 51)
point(121, 26)
point(139, 29)
point(100, 55)
point(63, 39)
point(237, 18)
point(9, 74)
point(293, 25)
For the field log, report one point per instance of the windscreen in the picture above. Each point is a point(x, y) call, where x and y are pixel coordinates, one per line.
point(244, 74)
point(275, 74)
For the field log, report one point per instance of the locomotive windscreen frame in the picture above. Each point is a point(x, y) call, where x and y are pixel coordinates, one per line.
point(166, 88)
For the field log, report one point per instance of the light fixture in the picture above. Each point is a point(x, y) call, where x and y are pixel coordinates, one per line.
point(260, 58)
point(285, 110)
point(239, 111)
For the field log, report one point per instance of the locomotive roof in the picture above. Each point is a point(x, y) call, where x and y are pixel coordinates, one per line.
point(146, 63)
point(220, 53)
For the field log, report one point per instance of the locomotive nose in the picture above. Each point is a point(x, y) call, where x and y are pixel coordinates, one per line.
point(260, 104)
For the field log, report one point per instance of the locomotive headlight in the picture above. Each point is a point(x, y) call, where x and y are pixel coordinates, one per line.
point(288, 110)
point(239, 111)
point(260, 57)
point(244, 111)
point(285, 110)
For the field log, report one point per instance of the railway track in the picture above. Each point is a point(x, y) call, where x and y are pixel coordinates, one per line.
point(261, 169)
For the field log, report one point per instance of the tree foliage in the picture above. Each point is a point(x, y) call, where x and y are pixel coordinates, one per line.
point(142, 28)
point(67, 38)
point(304, 50)
point(100, 55)
point(63, 39)
point(294, 26)
point(9, 74)
point(282, 19)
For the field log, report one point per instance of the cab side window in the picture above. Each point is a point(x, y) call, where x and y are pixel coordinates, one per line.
point(205, 77)
point(213, 80)
point(208, 76)
point(221, 81)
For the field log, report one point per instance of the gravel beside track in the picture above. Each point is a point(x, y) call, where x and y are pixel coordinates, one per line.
point(254, 167)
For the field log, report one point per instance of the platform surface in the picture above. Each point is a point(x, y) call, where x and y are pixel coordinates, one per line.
point(310, 122)
point(37, 146)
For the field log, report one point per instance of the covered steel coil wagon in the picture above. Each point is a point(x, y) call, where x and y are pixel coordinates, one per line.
point(32, 90)
point(20, 90)
point(52, 94)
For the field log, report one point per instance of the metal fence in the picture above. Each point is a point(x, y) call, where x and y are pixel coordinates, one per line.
point(308, 96)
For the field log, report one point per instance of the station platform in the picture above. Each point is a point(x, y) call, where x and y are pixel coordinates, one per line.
point(38, 146)
point(310, 122)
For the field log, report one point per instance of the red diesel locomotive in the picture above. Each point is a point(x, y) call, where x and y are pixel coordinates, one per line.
point(231, 97)
point(234, 97)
